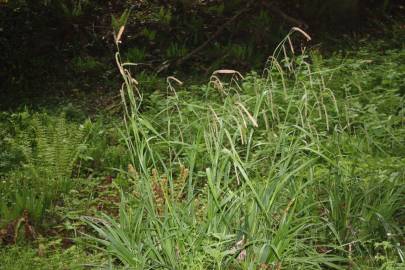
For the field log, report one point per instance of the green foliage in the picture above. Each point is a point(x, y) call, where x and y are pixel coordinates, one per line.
point(86, 64)
point(135, 55)
point(117, 23)
point(48, 149)
point(11, 127)
point(240, 52)
point(300, 168)
point(47, 255)
point(151, 82)
point(149, 34)
point(105, 149)
point(164, 15)
point(57, 147)
point(176, 51)
point(70, 8)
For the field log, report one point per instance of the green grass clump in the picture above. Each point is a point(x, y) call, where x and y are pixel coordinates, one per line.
point(301, 167)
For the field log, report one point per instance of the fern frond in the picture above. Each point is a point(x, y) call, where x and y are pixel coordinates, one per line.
point(57, 147)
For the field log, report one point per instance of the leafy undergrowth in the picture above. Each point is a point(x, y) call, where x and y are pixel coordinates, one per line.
point(47, 256)
point(300, 167)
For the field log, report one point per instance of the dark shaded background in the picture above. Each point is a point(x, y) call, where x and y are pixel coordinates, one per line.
point(51, 49)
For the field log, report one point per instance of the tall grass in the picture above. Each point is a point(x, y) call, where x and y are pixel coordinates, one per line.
point(275, 171)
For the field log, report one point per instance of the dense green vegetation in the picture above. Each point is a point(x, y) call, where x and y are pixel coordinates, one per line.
point(298, 167)
point(184, 135)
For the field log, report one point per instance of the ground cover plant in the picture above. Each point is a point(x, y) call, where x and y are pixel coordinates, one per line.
point(39, 155)
point(295, 168)
point(301, 166)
